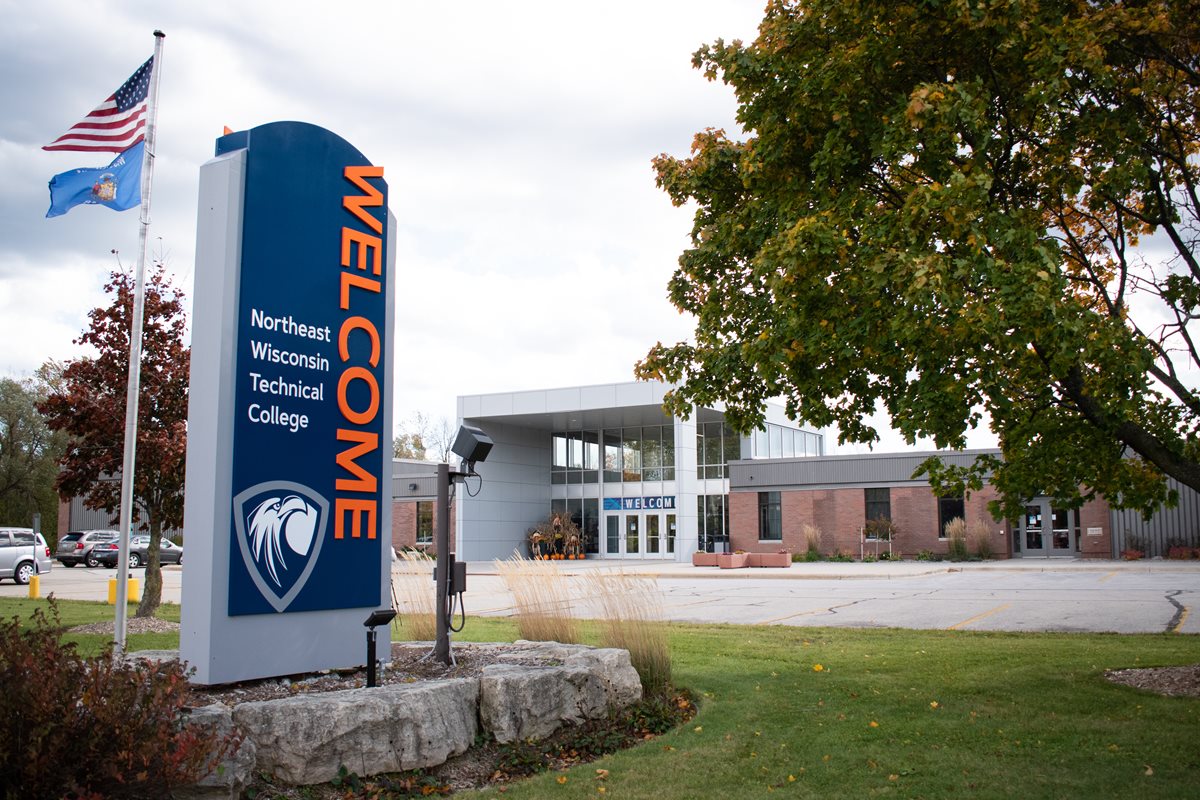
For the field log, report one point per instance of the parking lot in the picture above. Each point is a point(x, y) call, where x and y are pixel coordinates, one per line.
point(1107, 596)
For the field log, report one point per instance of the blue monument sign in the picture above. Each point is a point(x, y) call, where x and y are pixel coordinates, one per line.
point(289, 457)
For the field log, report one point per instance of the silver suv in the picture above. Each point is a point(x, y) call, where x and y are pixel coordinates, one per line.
point(76, 547)
point(23, 554)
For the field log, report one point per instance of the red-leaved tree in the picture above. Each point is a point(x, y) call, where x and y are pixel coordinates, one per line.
point(90, 407)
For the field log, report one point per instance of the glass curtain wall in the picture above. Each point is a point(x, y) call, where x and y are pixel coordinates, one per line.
point(716, 445)
point(712, 522)
point(585, 513)
point(623, 454)
point(776, 441)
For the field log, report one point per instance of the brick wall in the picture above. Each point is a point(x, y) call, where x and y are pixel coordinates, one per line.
point(1095, 515)
point(841, 513)
point(404, 524)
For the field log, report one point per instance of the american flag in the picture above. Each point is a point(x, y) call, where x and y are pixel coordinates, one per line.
point(116, 124)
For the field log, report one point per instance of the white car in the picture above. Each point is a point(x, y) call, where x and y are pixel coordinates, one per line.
point(23, 554)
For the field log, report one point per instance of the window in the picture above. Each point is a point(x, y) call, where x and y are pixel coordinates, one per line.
point(613, 466)
point(712, 520)
point(879, 503)
point(631, 453)
point(651, 454)
point(424, 522)
point(591, 525)
point(770, 517)
point(733, 445)
point(668, 452)
point(949, 508)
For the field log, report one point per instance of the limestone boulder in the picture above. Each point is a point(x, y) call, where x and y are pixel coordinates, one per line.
point(578, 683)
point(306, 738)
point(621, 680)
point(232, 775)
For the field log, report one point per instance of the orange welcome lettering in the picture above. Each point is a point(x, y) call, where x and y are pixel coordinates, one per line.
point(372, 197)
point(356, 509)
point(359, 282)
point(366, 244)
point(358, 417)
point(358, 460)
point(360, 324)
point(365, 442)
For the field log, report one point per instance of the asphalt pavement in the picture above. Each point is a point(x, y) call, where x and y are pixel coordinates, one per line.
point(1148, 596)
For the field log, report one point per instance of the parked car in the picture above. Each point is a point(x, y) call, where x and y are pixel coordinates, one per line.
point(76, 547)
point(139, 547)
point(23, 554)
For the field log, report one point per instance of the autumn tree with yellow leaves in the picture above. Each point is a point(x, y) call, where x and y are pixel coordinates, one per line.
point(949, 207)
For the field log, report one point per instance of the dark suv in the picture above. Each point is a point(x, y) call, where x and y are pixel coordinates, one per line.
point(139, 549)
point(76, 547)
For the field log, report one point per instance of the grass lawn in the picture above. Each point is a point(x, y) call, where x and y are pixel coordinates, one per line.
point(896, 713)
point(861, 713)
point(81, 612)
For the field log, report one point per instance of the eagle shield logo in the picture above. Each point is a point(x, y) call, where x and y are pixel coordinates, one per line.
point(280, 528)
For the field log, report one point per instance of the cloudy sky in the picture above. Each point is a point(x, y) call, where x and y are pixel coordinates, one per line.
point(516, 139)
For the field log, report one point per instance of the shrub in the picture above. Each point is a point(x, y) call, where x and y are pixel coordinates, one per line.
point(98, 727)
point(841, 555)
point(807, 555)
point(870, 558)
point(631, 614)
point(956, 536)
point(880, 528)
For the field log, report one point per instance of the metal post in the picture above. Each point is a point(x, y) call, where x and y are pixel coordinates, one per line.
point(135, 354)
point(441, 646)
point(371, 680)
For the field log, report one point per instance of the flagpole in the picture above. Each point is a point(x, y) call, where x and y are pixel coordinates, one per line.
point(135, 352)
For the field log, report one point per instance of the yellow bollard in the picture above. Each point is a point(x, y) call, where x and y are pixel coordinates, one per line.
point(35, 586)
point(132, 595)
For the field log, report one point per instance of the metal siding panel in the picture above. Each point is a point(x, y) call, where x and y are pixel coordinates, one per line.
point(1181, 524)
point(863, 470)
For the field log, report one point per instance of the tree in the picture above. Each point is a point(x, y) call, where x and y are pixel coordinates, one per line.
point(29, 452)
point(951, 208)
point(90, 407)
point(408, 445)
point(424, 438)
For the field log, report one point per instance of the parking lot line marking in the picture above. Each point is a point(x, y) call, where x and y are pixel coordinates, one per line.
point(1107, 577)
point(978, 617)
point(791, 616)
point(1182, 619)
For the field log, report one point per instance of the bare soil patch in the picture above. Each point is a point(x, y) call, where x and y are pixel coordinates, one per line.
point(1173, 681)
point(411, 662)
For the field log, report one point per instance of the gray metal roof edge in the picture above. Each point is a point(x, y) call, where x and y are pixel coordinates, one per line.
point(873, 456)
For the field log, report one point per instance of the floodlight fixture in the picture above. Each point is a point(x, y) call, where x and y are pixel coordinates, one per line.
point(471, 445)
point(380, 616)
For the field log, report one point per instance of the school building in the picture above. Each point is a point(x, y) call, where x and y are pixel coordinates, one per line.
point(640, 483)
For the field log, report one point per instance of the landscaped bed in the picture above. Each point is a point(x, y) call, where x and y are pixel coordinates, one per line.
point(891, 712)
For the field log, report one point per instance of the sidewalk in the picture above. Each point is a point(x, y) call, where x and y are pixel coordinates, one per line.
point(856, 570)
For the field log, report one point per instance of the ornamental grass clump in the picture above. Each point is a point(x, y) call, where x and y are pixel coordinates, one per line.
point(541, 600)
point(956, 539)
point(812, 541)
point(631, 611)
point(981, 539)
point(414, 595)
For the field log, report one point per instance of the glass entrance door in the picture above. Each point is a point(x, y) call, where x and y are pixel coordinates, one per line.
point(654, 542)
point(1046, 531)
point(632, 543)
